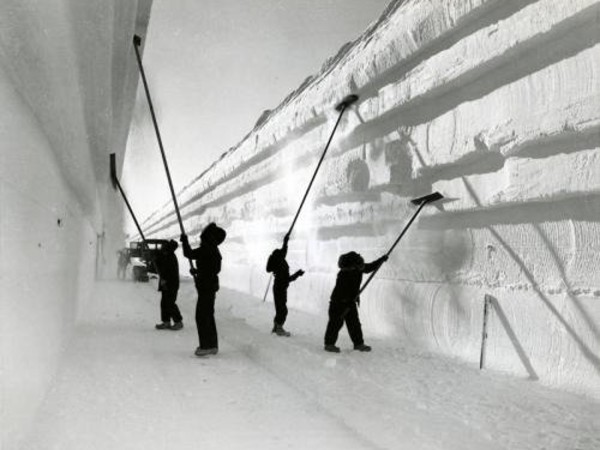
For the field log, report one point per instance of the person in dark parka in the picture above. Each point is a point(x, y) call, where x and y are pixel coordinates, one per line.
point(206, 279)
point(344, 300)
point(168, 284)
point(280, 269)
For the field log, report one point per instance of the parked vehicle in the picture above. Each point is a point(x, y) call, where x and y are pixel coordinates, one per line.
point(143, 257)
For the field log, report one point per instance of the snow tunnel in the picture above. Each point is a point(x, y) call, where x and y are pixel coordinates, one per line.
point(493, 103)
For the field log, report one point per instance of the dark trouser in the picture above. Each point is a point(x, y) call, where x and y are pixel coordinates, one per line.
point(168, 308)
point(338, 314)
point(280, 298)
point(205, 320)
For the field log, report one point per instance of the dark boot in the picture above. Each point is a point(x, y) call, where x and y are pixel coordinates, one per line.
point(177, 326)
point(362, 348)
point(331, 348)
point(279, 331)
point(206, 351)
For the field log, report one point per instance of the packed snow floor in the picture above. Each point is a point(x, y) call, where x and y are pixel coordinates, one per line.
point(124, 385)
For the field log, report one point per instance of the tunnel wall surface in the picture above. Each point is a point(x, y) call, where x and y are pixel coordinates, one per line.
point(493, 103)
point(67, 87)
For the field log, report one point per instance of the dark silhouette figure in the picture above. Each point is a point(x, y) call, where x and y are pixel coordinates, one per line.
point(168, 284)
point(344, 300)
point(123, 261)
point(280, 269)
point(206, 279)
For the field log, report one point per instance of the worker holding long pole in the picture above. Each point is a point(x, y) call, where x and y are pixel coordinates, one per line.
point(345, 298)
point(206, 273)
point(137, 41)
point(277, 264)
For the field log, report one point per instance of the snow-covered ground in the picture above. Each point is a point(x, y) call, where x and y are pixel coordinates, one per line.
point(124, 385)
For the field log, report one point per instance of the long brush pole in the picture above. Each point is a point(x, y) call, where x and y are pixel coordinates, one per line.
point(341, 107)
point(115, 182)
point(422, 202)
point(137, 225)
point(136, 43)
point(366, 283)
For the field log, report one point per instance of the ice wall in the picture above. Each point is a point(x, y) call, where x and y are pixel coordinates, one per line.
point(67, 86)
point(494, 103)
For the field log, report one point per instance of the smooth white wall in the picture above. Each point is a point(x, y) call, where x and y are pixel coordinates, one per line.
point(46, 267)
point(68, 79)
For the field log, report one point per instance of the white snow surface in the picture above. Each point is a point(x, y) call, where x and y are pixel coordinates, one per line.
point(68, 81)
point(124, 385)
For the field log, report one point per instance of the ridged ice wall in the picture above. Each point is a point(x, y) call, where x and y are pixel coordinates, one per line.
point(494, 103)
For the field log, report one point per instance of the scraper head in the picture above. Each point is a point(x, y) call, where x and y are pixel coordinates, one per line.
point(347, 101)
point(113, 170)
point(427, 198)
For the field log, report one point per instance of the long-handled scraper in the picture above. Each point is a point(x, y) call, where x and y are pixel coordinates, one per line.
point(341, 108)
point(137, 41)
point(421, 201)
point(116, 185)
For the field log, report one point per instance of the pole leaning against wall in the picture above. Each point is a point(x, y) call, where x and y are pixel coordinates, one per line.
point(137, 41)
point(341, 107)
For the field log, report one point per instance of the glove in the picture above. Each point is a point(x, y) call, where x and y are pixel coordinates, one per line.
point(299, 273)
point(183, 237)
point(383, 259)
point(193, 272)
